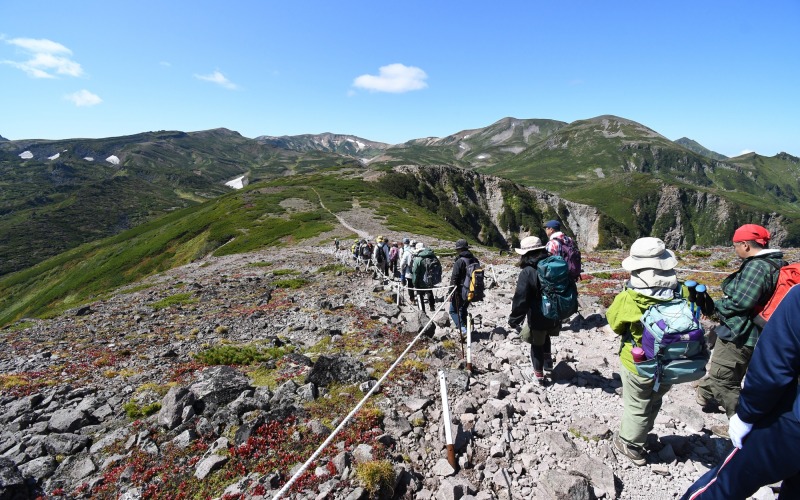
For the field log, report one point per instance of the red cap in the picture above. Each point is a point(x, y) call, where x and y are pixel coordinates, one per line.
point(751, 232)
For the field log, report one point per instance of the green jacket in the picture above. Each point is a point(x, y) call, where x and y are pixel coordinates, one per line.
point(744, 291)
point(623, 317)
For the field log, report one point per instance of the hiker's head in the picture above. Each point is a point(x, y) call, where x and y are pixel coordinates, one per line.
point(406, 241)
point(420, 246)
point(552, 226)
point(654, 278)
point(379, 239)
point(462, 244)
point(750, 239)
point(649, 253)
point(530, 250)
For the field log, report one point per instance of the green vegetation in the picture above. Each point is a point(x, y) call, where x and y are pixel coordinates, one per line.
point(375, 475)
point(179, 299)
point(134, 411)
point(293, 283)
point(239, 354)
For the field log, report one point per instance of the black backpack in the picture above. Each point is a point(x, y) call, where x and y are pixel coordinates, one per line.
point(381, 255)
point(365, 253)
point(427, 270)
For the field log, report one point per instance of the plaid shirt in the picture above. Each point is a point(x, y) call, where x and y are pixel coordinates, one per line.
point(745, 290)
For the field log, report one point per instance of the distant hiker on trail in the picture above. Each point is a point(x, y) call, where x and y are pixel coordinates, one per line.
point(336, 244)
point(394, 257)
point(381, 255)
point(406, 261)
point(427, 272)
point(745, 291)
point(458, 303)
point(765, 430)
point(652, 280)
point(559, 243)
point(526, 304)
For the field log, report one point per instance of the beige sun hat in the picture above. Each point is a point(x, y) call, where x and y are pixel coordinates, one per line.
point(649, 253)
point(529, 244)
point(654, 278)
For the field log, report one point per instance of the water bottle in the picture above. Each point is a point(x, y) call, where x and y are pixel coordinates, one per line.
point(705, 301)
point(638, 354)
point(692, 286)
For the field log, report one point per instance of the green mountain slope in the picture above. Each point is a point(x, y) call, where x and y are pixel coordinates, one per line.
point(50, 205)
point(700, 149)
point(254, 217)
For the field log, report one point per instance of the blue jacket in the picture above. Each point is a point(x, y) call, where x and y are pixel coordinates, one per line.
point(771, 381)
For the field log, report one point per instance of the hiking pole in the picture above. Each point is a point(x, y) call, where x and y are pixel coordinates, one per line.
point(448, 431)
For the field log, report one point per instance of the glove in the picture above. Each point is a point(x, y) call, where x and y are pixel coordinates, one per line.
point(737, 430)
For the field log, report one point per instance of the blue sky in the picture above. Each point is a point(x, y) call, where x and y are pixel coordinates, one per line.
point(724, 73)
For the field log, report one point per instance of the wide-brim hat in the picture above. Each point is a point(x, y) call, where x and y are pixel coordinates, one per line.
point(649, 253)
point(654, 278)
point(529, 244)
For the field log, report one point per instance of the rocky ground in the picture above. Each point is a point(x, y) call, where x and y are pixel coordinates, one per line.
point(126, 397)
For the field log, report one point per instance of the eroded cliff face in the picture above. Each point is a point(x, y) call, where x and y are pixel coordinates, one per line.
point(490, 194)
point(684, 218)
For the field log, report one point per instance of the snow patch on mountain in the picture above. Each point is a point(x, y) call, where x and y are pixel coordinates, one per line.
point(54, 157)
point(113, 160)
point(26, 155)
point(237, 183)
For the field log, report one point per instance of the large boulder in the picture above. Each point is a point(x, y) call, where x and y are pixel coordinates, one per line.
point(218, 386)
point(339, 369)
point(173, 406)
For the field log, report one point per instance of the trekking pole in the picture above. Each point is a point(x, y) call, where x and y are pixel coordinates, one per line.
point(456, 296)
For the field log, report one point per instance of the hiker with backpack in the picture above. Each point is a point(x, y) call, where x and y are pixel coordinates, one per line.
point(529, 297)
point(765, 430)
point(745, 292)
point(653, 281)
point(381, 255)
point(394, 256)
point(427, 272)
point(406, 262)
point(559, 243)
point(467, 279)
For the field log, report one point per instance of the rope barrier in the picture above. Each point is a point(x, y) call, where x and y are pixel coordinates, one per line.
point(361, 403)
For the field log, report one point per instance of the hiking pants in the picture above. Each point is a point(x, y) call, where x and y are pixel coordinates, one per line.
point(458, 312)
point(408, 283)
point(769, 454)
point(725, 374)
point(542, 351)
point(640, 407)
point(422, 295)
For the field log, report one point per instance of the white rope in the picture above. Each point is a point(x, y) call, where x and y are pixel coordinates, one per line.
point(357, 407)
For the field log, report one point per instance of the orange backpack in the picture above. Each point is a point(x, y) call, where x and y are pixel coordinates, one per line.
point(788, 276)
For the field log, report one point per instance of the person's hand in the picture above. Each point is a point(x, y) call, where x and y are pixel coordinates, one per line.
point(737, 430)
point(517, 328)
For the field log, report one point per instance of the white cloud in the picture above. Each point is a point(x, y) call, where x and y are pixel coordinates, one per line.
point(47, 58)
point(219, 79)
point(395, 78)
point(166, 64)
point(83, 98)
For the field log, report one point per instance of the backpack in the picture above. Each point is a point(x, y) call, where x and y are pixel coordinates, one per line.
point(559, 293)
point(674, 344)
point(380, 255)
point(472, 288)
point(393, 254)
point(366, 254)
point(569, 251)
point(788, 276)
point(427, 269)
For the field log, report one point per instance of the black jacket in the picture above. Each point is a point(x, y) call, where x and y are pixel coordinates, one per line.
point(459, 273)
point(528, 298)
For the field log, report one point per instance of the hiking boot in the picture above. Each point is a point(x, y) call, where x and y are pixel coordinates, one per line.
point(539, 379)
point(720, 431)
point(632, 454)
point(548, 365)
point(709, 405)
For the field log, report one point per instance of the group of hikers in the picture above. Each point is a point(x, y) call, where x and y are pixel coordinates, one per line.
point(662, 343)
point(662, 340)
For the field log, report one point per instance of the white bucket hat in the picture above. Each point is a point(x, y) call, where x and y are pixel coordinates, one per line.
point(649, 253)
point(529, 244)
point(654, 278)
